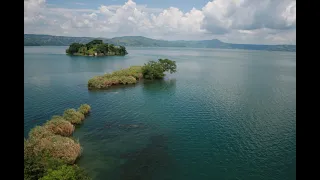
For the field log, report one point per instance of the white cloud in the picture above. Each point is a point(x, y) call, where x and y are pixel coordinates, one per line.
point(32, 10)
point(33, 6)
point(106, 11)
point(221, 16)
point(172, 20)
point(236, 21)
point(270, 36)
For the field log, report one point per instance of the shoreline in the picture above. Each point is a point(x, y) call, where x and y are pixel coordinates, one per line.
point(92, 55)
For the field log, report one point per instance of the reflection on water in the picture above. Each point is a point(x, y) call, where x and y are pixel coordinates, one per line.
point(113, 89)
point(165, 85)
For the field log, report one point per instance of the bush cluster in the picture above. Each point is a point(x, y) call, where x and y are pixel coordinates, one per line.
point(50, 152)
point(151, 70)
point(124, 76)
point(156, 69)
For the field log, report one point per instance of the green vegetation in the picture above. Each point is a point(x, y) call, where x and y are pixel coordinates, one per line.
point(73, 116)
point(59, 147)
point(84, 109)
point(59, 126)
point(35, 166)
point(39, 132)
point(155, 70)
point(65, 172)
point(151, 70)
point(125, 76)
point(50, 152)
point(96, 48)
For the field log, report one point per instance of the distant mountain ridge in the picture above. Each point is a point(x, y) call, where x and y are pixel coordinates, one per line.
point(140, 41)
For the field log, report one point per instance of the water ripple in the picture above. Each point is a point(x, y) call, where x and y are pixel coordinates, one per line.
point(224, 114)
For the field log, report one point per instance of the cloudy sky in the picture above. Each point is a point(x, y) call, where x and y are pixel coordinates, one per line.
point(233, 21)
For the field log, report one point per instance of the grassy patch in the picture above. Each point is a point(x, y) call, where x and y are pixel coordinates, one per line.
point(84, 109)
point(124, 76)
point(59, 147)
point(59, 126)
point(73, 116)
point(39, 132)
point(151, 70)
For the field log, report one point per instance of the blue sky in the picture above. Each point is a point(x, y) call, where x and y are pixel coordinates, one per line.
point(234, 21)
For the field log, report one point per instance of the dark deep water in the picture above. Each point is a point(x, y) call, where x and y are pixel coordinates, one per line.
point(226, 114)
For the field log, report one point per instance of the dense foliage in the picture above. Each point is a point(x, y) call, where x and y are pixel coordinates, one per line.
point(50, 152)
point(96, 48)
point(156, 70)
point(151, 70)
point(59, 147)
point(36, 165)
point(73, 116)
point(59, 126)
point(84, 109)
point(65, 172)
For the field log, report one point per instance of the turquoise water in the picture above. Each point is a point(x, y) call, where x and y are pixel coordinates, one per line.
point(226, 114)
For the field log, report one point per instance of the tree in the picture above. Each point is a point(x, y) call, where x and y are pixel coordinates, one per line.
point(93, 43)
point(83, 50)
point(111, 48)
point(74, 48)
point(123, 50)
point(64, 172)
point(106, 46)
point(155, 70)
point(33, 168)
point(168, 65)
point(100, 48)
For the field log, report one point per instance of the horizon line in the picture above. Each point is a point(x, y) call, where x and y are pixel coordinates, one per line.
point(159, 39)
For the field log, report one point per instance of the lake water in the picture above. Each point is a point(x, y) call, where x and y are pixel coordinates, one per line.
point(226, 114)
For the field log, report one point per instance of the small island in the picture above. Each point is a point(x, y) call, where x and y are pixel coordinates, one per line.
point(96, 48)
point(50, 151)
point(150, 71)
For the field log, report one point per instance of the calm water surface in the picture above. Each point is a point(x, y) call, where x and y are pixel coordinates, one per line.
point(226, 114)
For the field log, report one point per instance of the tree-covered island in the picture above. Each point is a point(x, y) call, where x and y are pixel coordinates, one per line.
point(96, 48)
point(151, 70)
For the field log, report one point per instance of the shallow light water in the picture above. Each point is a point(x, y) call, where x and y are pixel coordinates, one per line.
point(226, 114)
